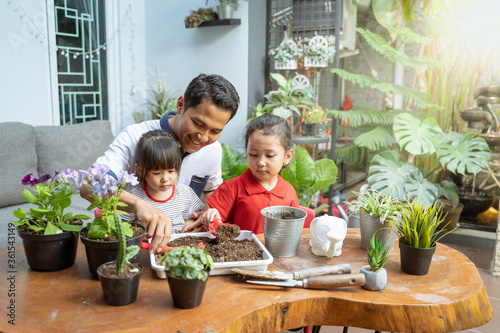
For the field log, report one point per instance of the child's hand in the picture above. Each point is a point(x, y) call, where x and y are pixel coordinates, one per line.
point(209, 216)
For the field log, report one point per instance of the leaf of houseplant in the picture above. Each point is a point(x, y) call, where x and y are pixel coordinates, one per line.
point(379, 138)
point(449, 190)
point(421, 188)
point(300, 171)
point(468, 154)
point(282, 82)
point(415, 136)
point(388, 174)
point(325, 172)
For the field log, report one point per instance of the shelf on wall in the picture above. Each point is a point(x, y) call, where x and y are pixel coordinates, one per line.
point(214, 23)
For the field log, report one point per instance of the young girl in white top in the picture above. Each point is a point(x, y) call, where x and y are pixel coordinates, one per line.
point(157, 161)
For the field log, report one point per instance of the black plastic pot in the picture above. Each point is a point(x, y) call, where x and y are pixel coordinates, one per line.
point(50, 252)
point(121, 290)
point(100, 252)
point(186, 293)
point(415, 261)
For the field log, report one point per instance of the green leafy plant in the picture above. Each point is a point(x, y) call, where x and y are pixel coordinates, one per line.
point(287, 50)
point(197, 17)
point(376, 203)
point(259, 111)
point(234, 3)
point(106, 191)
point(51, 196)
point(233, 163)
point(316, 115)
point(403, 174)
point(308, 176)
point(287, 99)
point(188, 263)
point(377, 253)
point(418, 222)
point(160, 100)
point(320, 51)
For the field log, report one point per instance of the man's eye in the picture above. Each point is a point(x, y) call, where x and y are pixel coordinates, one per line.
point(270, 156)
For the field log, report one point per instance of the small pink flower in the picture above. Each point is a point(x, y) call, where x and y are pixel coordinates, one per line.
point(30, 180)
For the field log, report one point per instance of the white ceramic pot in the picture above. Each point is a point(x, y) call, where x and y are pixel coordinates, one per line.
point(374, 280)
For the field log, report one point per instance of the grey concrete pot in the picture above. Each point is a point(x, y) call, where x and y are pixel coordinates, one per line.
point(374, 280)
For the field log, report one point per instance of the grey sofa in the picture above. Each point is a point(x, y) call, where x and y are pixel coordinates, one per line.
point(41, 150)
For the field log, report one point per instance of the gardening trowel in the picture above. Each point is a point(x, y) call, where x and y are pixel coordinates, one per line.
point(319, 282)
point(298, 275)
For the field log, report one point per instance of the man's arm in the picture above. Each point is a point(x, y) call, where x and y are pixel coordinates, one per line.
point(158, 225)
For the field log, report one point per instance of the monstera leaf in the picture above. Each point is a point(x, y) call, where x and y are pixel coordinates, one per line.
point(415, 136)
point(308, 176)
point(448, 190)
point(388, 174)
point(419, 187)
point(467, 154)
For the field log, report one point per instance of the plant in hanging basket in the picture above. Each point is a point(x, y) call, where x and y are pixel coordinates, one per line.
point(417, 229)
point(317, 53)
point(106, 192)
point(375, 273)
point(286, 54)
point(102, 237)
point(187, 271)
point(48, 231)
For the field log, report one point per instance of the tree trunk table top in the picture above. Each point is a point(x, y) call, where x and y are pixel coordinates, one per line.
point(451, 297)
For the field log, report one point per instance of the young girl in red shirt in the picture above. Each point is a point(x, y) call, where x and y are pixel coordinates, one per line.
point(268, 144)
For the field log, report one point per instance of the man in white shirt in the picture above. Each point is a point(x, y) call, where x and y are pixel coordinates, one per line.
point(208, 103)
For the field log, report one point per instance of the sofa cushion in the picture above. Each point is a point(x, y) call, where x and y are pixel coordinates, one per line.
point(17, 159)
point(74, 146)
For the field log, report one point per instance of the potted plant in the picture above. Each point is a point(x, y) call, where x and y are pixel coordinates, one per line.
point(375, 273)
point(187, 270)
point(49, 233)
point(314, 123)
point(417, 229)
point(285, 55)
point(376, 212)
point(226, 8)
point(197, 17)
point(317, 53)
point(287, 101)
point(101, 237)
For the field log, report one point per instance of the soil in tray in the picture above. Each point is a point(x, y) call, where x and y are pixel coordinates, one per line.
point(228, 250)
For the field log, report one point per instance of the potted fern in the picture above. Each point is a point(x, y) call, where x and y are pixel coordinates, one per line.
point(375, 273)
point(376, 212)
point(417, 229)
point(187, 271)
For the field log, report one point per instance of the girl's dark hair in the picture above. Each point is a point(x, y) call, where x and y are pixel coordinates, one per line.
point(271, 125)
point(157, 150)
point(216, 89)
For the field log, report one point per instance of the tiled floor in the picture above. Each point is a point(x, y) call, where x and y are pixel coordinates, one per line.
point(482, 259)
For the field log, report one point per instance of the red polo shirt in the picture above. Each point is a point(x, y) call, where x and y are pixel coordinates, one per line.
point(239, 200)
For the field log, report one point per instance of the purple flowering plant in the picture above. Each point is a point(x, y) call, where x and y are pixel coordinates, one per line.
point(51, 194)
point(106, 191)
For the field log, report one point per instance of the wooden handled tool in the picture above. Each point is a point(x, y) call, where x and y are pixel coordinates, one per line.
point(319, 282)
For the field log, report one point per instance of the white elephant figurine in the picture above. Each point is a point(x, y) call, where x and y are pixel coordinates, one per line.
point(327, 235)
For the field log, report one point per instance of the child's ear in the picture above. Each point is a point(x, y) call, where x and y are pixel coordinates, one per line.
point(288, 156)
point(138, 169)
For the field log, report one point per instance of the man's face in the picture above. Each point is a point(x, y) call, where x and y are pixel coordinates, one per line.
point(198, 126)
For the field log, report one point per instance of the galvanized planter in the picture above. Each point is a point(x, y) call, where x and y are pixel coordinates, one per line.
point(370, 224)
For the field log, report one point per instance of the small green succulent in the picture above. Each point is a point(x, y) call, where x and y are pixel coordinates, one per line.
point(188, 262)
point(377, 254)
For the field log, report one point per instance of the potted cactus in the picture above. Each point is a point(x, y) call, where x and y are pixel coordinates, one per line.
point(187, 271)
point(375, 273)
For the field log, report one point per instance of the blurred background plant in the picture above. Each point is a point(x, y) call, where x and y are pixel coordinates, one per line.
point(159, 101)
point(197, 17)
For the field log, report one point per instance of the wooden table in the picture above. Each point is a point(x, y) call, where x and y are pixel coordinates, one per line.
point(450, 297)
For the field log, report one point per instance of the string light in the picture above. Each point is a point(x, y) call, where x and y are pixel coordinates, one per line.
point(66, 51)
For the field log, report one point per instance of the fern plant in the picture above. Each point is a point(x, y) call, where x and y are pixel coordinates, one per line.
point(373, 129)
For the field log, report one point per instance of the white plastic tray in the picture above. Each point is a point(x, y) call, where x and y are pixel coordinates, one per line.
point(224, 268)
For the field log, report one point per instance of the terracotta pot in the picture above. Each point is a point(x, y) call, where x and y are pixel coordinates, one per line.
point(370, 224)
point(186, 293)
point(99, 251)
point(374, 280)
point(415, 261)
point(451, 214)
point(121, 290)
point(50, 252)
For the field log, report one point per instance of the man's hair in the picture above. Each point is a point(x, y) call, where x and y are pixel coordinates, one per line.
point(214, 89)
point(157, 150)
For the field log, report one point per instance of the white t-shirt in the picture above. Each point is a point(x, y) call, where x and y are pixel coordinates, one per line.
point(205, 163)
point(178, 207)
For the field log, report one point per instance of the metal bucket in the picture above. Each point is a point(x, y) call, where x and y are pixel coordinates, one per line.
point(282, 235)
point(370, 224)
